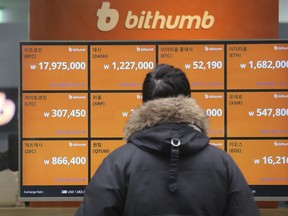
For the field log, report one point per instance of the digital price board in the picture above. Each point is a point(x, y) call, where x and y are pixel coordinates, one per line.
point(263, 165)
point(111, 108)
point(65, 162)
point(203, 64)
point(257, 66)
point(55, 67)
point(76, 97)
point(121, 67)
point(54, 115)
point(257, 114)
point(100, 149)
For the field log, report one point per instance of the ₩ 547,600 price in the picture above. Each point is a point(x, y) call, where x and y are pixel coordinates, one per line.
point(263, 112)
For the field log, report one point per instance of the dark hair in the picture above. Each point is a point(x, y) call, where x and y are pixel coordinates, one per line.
point(165, 81)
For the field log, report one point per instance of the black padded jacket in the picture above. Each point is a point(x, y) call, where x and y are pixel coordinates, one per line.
point(168, 168)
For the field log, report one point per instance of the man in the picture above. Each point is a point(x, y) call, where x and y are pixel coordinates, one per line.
point(167, 166)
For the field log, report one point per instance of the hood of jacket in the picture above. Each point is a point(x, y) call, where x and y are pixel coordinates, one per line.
point(157, 124)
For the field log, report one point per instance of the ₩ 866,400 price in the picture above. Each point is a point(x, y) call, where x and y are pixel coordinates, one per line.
point(66, 161)
point(65, 113)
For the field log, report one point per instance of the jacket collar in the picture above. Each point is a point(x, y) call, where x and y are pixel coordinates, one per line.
point(167, 110)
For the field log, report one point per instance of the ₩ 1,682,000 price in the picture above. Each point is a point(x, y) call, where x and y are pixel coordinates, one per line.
point(279, 64)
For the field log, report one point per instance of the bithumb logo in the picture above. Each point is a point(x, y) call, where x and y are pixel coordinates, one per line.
point(280, 143)
point(280, 48)
point(108, 19)
point(280, 96)
point(73, 97)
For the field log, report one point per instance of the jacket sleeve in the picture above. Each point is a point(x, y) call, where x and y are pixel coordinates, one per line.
point(240, 198)
point(104, 195)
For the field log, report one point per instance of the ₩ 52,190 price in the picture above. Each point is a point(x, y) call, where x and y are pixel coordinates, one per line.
point(201, 65)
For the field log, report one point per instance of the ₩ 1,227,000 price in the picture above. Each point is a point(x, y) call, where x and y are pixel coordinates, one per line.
point(130, 65)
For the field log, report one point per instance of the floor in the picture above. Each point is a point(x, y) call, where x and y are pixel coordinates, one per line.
point(28, 211)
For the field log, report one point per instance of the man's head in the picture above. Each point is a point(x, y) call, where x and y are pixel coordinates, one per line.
point(165, 81)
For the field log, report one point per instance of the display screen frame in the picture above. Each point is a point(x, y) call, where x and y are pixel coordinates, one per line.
point(53, 193)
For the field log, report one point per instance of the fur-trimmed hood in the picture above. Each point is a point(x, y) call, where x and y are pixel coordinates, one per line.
point(167, 110)
point(170, 127)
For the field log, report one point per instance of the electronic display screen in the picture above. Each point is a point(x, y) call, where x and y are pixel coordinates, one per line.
point(108, 108)
point(203, 63)
point(54, 115)
point(121, 67)
point(75, 99)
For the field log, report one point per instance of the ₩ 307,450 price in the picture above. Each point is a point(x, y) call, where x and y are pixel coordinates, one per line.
point(65, 113)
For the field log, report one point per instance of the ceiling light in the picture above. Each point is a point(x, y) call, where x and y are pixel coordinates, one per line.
point(1, 14)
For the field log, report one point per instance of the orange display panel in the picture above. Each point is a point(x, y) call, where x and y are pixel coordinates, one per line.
point(54, 115)
point(76, 98)
point(50, 67)
point(263, 162)
point(257, 66)
point(257, 114)
point(213, 105)
point(55, 162)
point(110, 112)
point(121, 67)
point(100, 149)
point(203, 64)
